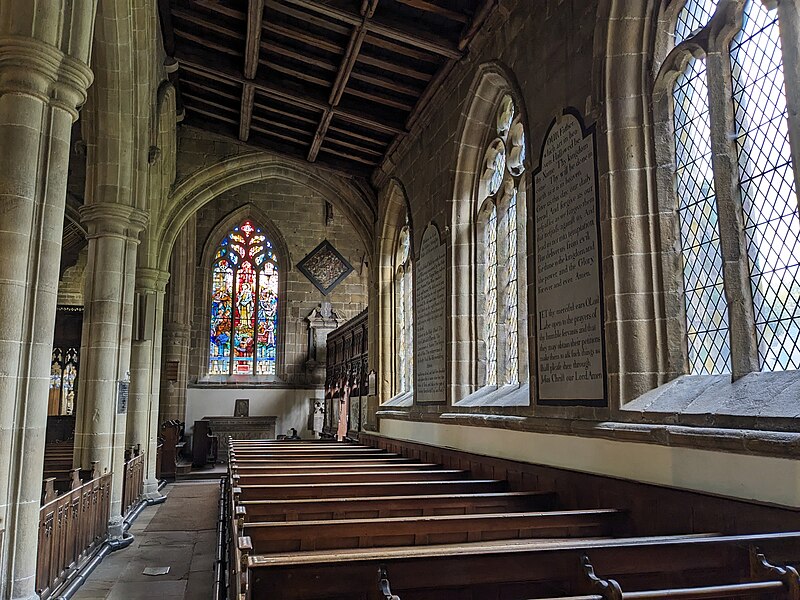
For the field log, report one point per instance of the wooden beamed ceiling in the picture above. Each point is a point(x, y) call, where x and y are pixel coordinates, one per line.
point(338, 82)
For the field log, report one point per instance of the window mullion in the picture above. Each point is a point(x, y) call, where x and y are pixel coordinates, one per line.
point(789, 26)
point(744, 345)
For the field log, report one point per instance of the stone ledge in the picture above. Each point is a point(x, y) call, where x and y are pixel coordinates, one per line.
point(736, 441)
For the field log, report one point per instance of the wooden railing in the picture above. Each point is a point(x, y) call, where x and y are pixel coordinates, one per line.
point(133, 481)
point(70, 527)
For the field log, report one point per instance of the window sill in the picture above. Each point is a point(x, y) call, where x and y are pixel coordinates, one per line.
point(402, 400)
point(247, 381)
point(758, 401)
point(502, 396)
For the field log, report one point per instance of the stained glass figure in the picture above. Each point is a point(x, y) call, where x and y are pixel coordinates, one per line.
point(244, 305)
point(767, 185)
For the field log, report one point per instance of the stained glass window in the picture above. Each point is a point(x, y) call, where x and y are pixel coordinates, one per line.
point(706, 304)
point(768, 187)
point(244, 304)
point(490, 296)
point(63, 381)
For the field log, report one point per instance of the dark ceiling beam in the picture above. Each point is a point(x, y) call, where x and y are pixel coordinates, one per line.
point(200, 21)
point(246, 112)
point(206, 43)
point(436, 9)
point(211, 114)
point(213, 5)
point(343, 76)
point(255, 20)
point(225, 76)
point(304, 17)
point(478, 19)
point(395, 32)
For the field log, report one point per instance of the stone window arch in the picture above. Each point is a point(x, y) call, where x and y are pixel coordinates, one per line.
point(489, 253)
point(722, 93)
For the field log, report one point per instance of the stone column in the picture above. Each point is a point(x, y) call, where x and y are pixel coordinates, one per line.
point(41, 87)
point(106, 343)
point(142, 425)
point(178, 322)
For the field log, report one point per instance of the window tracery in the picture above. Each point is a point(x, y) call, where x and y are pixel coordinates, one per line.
point(405, 311)
point(244, 304)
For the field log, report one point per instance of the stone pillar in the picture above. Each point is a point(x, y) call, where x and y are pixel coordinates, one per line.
point(106, 343)
point(178, 315)
point(142, 424)
point(41, 87)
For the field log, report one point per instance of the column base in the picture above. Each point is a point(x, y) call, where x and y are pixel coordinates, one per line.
point(116, 528)
point(151, 493)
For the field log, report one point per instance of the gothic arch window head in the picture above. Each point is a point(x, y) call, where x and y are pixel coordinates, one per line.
point(244, 304)
point(499, 253)
point(744, 316)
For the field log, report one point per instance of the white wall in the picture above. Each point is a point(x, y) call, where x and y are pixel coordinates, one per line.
point(290, 406)
point(759, 478)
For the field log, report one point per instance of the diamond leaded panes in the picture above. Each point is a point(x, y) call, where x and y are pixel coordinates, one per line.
point(768, 187)
point(512, 294)
point(694, 15)
point(405, 314)
point(490, 296)
point(706, 305)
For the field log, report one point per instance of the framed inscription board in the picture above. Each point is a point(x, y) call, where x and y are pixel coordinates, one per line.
point(570, 357)
point(430, 326)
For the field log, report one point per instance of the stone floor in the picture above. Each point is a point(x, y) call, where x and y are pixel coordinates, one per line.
point(179, 534)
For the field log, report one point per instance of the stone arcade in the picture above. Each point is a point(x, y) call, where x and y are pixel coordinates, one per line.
point(527, 243)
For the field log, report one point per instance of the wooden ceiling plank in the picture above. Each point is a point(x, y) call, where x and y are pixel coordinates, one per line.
point(212, 115)
point(359, 136)
point(301, 36)
point(255, 20)
point(386, 83)
point(307, 18)
point(391, 32)
point(430, 7)
point(349, 156)
point(280, 136)
point(284, 113)
point(394, 67)
point(338, 142)
point(295, 73)
point(379, 99)
point(403, 49)
point(211, 103)
point(196, 19)
point(257, 119)
point(215, 6)
point(311, 60)
point(246, 111)
point(478, 19)
point(213, 90)
point(206, 43)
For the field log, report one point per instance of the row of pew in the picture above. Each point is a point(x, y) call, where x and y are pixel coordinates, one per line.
point(335, 521)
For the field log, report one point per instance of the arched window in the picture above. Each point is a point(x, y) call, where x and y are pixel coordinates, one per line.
point(63, 381)
point(244, 304)
point(739, 227)
point(499, 246)
point(404, 295)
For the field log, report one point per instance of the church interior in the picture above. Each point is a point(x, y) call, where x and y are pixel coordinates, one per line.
point(400, 299)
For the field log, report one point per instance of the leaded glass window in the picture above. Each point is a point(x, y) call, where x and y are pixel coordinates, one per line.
point(704, 292)
point(404, 311)
point(499, 224)
point(767, 184)
point(244, 304)
point(768, 209)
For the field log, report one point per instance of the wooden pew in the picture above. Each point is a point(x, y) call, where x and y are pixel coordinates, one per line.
point(522, 569)
point(395, 506)
point(340, 477)
point(266, 469)
point(424, 530)
point(392, 488)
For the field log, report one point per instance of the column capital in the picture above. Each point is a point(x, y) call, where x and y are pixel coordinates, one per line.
point(112, 219)
point(36, 68)
point(151, 280)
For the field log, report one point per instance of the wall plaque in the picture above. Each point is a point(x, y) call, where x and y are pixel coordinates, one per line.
point(570, 360)
point(430, 326)
point(122, 396)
